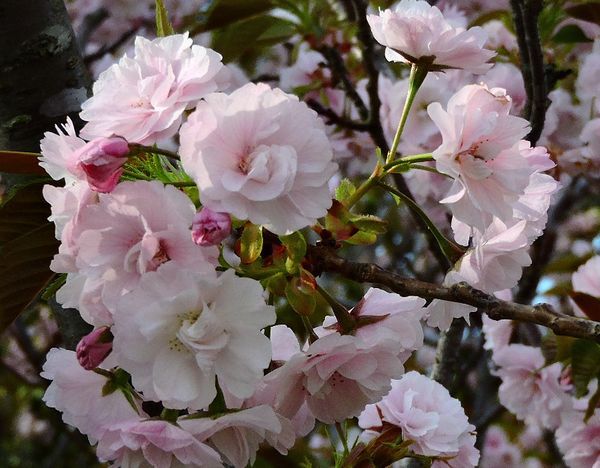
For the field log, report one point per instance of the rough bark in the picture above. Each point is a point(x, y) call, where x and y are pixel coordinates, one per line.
point(42, 75)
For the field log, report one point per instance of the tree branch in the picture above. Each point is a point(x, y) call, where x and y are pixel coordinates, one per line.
point(335, 119)
point(525, 17)
point(325, 259)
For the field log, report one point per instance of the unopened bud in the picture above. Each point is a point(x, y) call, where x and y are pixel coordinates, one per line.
point(102, 162)
point(210, 228)
point(93, 348)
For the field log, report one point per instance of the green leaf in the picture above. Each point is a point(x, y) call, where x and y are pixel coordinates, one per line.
point(261, 31)
point(345, 190)
point(163, 25)
point(585, 364)
point(301, 300)
point(362, 238)
point(369, 223)
point(592, 405)
point(295, 245)
point(221, 13)
point(566, 263)
point(589, 11)
point(570, 34)
point(251, 243)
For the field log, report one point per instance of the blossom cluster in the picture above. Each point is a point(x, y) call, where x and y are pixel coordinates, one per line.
point(179, 223)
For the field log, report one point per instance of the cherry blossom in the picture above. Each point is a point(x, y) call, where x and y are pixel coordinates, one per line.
point(133, 230)
point(101, 161)
point(587, 277)
point(210, 228)
point(417, 32)
point(78, 394)
point(336, 376)
point(249, 158)
point(237, 435)
point(428, 416)
point(93, 348)
point(529, 390)
point(578, 440)
point(57, 152)
point(177, 332)
point(143, 98)
point(154, 443)
point(481, 151)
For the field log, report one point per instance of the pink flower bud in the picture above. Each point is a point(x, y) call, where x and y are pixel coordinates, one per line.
point(93, 348)
point(101, 160)
point(210, 228)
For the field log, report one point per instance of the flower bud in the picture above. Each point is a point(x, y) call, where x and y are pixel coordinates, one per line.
point(210, 228)
point(93, 348)
point(101, 160)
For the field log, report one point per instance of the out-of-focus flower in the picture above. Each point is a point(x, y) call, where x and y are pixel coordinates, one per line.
point(584, 160)
point(261, 155)
point(93, 348)
point(530, 391)
point(498, 451)
point(428, 416)
point(177, 332)
point(416, 32)
point(210, 228)
point(587, 277)
point(587, 77)
point(143, 98)
point(508, 77)
point(578, 440)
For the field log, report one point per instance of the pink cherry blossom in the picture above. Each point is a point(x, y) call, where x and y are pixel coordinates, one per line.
point(101, 161)
point(481, 151)
point(396, 320)
point(587, 78)
point(564, 122)
point(237, 435)
point(508, 77)
point(336, 376)
point(497, 258)
point(530, 391)
point(133, 230)
point(579, 441)
point(428, 416)
point(78, 394)
point(585, 159)
point(57, 152)
point(155, 443)
point(210, 228)
point(179, 330)
point(498, 451)
point(415, 31)
point(497, 333)
point(143, 98)
point(499, 36)
point(261, 155)
point(93, 348)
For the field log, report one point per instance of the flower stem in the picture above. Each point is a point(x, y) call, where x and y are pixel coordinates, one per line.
point(415, 80)
point(452, 251)
point(413, 158)
point(365, 186)
point(153, 150)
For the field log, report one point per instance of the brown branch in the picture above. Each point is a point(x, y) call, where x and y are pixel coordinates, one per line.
point(525, 17)
point(335, 119)
point(325, 259)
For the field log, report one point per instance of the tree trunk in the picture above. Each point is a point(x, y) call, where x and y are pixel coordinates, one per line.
point(42, 75)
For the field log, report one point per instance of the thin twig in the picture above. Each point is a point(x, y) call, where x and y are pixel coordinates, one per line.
point(325, 259)
point(109, 49)
point(335, 119)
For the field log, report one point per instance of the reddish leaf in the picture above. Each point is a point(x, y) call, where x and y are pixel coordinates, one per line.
point(17, 162)
point(590, 305)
